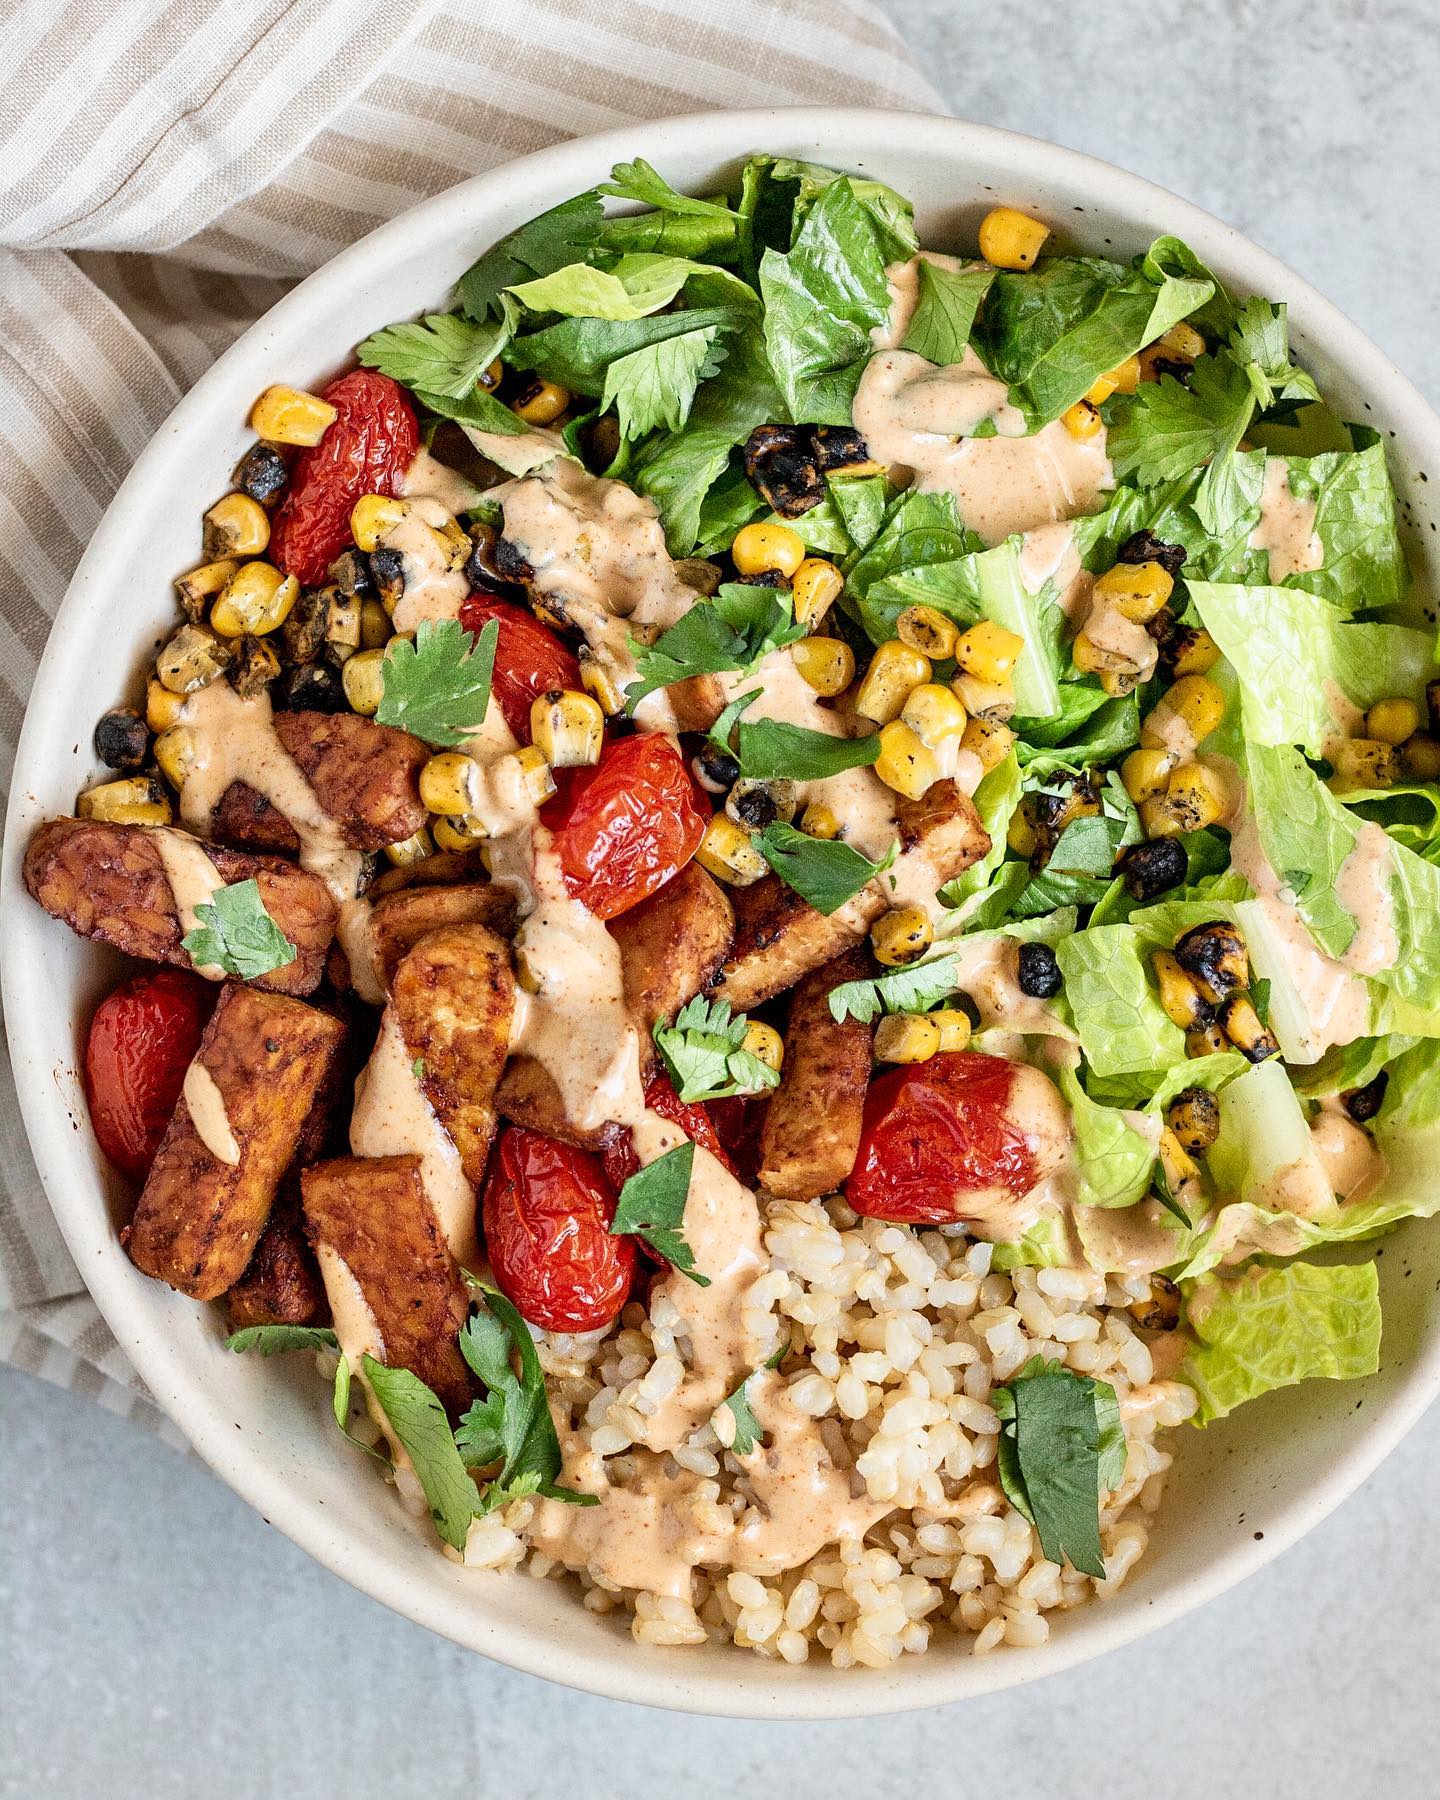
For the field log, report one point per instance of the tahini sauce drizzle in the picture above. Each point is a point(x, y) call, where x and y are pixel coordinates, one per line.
point(206, 1106)
point(434, 588)
point(1285, 529)
point(193, 879)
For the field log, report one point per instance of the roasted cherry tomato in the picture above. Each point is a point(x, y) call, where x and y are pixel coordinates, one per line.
point(940, 1133)
point(365, 450)
point(738, 1120)
point(619, 1156)
point(529, 660)
point(623, 828)
point(142, 1040)
point(547, 1210)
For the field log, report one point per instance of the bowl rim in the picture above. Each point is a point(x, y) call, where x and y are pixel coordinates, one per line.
point(742, 1689)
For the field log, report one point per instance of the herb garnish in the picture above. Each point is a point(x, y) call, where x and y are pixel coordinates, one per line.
point(278, 1340)
point(821, 870)
point(770, 749)
point(439, 687)
point(912, 990)
point(733, 630)
point(417, 1418)
point(652, 1206)
point(236, 934)
point(705, 1055)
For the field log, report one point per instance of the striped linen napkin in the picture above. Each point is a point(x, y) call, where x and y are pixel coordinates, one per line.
point(172, 167)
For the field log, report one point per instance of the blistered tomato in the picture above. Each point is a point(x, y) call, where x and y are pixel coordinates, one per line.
point(547, 1210)
point(623, 828)
point(142, 1040)
point(619, 1156)
point(529, 660)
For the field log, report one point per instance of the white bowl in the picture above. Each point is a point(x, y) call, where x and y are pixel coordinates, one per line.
point(1240, 1492)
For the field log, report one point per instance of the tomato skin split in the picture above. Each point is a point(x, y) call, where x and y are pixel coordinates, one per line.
point(365, 450)
point(142, 1040)
point(619, 1156)
point(529, 659)
point(546, 1210)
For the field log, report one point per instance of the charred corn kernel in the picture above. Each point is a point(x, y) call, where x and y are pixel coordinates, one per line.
point(600, 684)
point(1159, 1309)
point(192, 659)
point(906, 1038)
point(1196, 700)
point(1194, 1118)
point(1191, 651)
point(176, 751)
point(765, 548)
point(450, 784)
point(820, 821)
point(987, 740)
point(954, 1027)
point(1011, 239)
point(1242, 1025)
point(1125, 375)
point(162, 705)
point(1420, 758)
point(375, 626)
point(814, 589)
point(988, 650)
point(413, 849)
point(727, 853)
point(1146, 773)
point(1138, 590)
point(765, 1043)
point(901, 935)
point(288, 415)
point(1119, 682)
point(1181, 998)
point(1090, 659)
point(236, 526)
point(1215, 959)
point(1363, 763)
point(1102, 388)
point(928, 631)
point(906, 763)
point(372, 516)
point(543, 404)
point(827, 663)
point(993, 700)
point(1205, 1039)
point(934, 714)
point(1184, 341)
point(459, 835)
point(1176, 1160)
point(567, 728)
point(138, 800)
point(1081, 420)
point(1021, 834)
point(895, 672)
point(535, 772)
point(757, 804)
point(1392, 721)
point(363, 679)
point(202, 585)
point(255, 666)
point(257, 599)
point(342, 627)
point(1194, 799)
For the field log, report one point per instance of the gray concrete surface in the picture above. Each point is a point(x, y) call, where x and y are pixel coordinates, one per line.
point(160, 1640)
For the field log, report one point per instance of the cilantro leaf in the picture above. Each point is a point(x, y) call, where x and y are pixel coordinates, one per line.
point(1260, 343)
point(748, 1430)
point(823, 871)
point(439, 687)
point(1061, 1443)
point(654, 387)
point(564, 234)
point(639, 180)
point(705, 1055)
point(721, 732)
point(732, 630)
point(945, 309)
point(443, 354)
point(480, 410)
point(277, 1340)
point(770, 748)
point(1164, 430)
point(652, 1206)
point(418, 1419)
point(912, 990)
point(236, 934)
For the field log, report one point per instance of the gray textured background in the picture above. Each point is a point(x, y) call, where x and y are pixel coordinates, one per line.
point(161, 1641)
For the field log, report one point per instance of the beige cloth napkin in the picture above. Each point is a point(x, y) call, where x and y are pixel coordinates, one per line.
point(171, 166)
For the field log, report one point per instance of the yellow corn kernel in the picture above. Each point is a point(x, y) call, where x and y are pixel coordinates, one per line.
point(535, 773)
point(1020, 834)
point(375, 626)
point(1102, 388)
point(543, 404)
point(988, 650)
point(814, 588)
point(1082, 421)
point(820, 821)
point(136, 800)
point(906, 1038)
point(1117, 683)
point(928, 631)
point(994, 700)
point(1183, 341)
point(409, 850)
point(895, 672)
point(1138, 590)
point(1363, 763)
point(287, 415)
point(1011, 239)
point(1192, 651)
point(235, 526)
point(988, 740)
point(767, 548)
point(1205, 1039)
point(1176, 1160)
point(192, 659)
point(1242, 1025)
point(1194, 700)
point(1193, 799)
point(1126, 375)
point(765, 1043)
point(906, 763)
point(372, 516)
point(1182, 1000)
point(600, 684)
point(363, 678)
point(458, 835)
point(1194, 1117)
point(450, 784)
point(567, 728)
point(176, 751)
point(257, 599)
point(1146, 773)
point(1090, 659)
point(1392, 721)
point(727, 853)
point(934, 714)
point(827, 663)
point(1420, 758)
point(954, 1027)
point(202, 585)
point(162, 705)
point(901, 935)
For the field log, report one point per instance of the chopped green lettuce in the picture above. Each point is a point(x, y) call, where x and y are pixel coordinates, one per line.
point(1121, 1024)
point(1114, 1150)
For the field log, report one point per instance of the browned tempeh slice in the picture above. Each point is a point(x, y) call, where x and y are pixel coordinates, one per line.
point(373, 1214)
point(811, 1133)
point(453, 996)
point(366, 776)
point(282, 1285)
point(250, 1090)
point(779, 937)
point(108, 882)
point(671, 946)
point(445, 868)
point(528, 1096)
point(399, 921)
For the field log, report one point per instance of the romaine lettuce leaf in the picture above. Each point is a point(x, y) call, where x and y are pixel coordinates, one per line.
point(995, 800)
point(1121, 1024)
point(1114, 1150)
point(945, 307)
point(920, 553)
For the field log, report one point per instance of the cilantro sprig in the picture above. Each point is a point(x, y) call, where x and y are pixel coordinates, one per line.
point(822, 871)
point(417, 1419)
point(652, 1206)
point(770, 749)
point(748, 1429)
point(439, 687)
point(279, 1340)
point(733, 630)
point(912, 990)
point(237, 935)
point(704, 1053)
